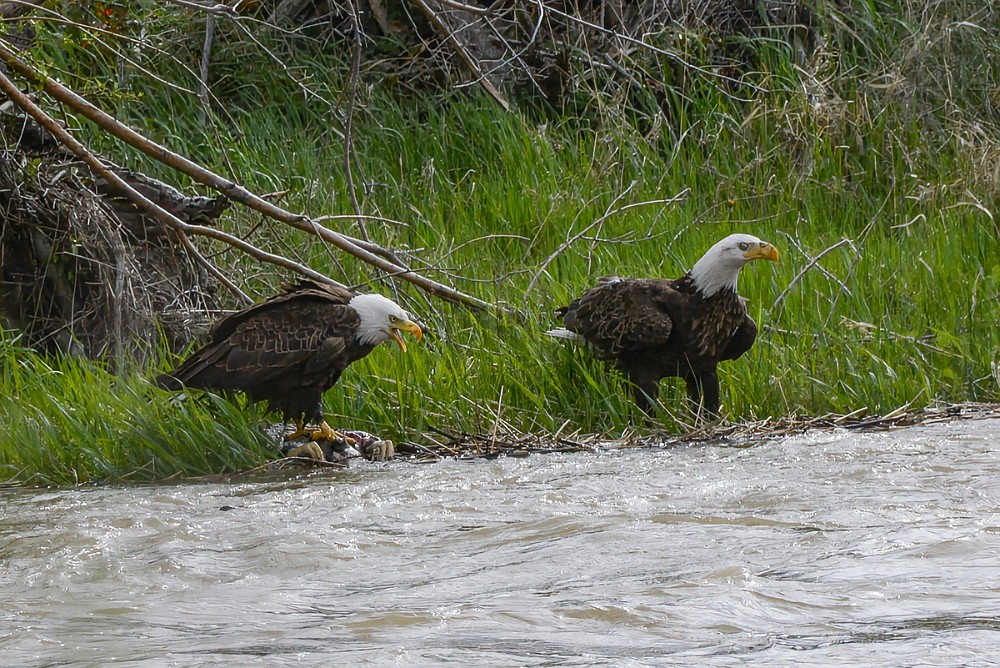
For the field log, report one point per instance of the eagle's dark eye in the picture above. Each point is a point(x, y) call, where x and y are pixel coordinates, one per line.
point(393, 318)
point(744, 245)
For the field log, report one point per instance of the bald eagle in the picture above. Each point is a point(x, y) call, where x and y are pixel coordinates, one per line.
point(289, 349)
point(654, 328)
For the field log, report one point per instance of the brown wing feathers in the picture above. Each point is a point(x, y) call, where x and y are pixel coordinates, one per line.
point(653, 328)
point(295, 332)
point(623, 314)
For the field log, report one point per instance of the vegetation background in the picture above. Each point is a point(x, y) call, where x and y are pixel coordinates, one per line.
point(861, 138)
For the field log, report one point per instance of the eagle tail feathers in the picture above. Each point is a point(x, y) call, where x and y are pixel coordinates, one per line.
point(563, 333)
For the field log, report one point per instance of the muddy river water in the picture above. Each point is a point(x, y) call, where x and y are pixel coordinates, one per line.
point(826, 549)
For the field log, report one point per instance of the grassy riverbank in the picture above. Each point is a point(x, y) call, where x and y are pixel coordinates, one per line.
point(884, 204)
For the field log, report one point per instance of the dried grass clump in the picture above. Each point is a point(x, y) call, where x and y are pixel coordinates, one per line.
point(980, 148)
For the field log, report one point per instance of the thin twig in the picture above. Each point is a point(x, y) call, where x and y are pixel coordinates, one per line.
point(515, 54)
point(576, 237)
point(206, 56)
point(482, 11)
point(798, 246)
point(858, 244)
point(96, 33)
point(217, 8)
point(662, 52)
point(352, 96)
point(812, 263)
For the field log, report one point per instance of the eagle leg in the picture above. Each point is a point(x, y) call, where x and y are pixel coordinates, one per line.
point(324, 433)
point(645, 387)
point(703, 390)
point(300, 431)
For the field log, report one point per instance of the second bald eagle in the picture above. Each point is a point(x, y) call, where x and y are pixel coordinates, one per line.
point(654, 328)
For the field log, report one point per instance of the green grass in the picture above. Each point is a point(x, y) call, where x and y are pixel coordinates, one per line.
point(69, 422)
point(903, 314)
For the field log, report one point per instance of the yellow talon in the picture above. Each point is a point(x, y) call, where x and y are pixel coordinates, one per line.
point(300, 431)
point(328, 433)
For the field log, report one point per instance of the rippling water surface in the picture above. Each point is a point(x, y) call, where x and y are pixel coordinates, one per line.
point(824, 549)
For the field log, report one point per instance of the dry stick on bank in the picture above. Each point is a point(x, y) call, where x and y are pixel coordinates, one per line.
point(506, 440)
point(235, 191)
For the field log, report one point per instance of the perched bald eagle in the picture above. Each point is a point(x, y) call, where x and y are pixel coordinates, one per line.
point(654, 328)
point(289, 349)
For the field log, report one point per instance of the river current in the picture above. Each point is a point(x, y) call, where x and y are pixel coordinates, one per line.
point(831, 548)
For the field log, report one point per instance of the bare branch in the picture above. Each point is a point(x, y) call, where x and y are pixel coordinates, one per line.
point(812, 263)
point(483, 11)
point(466, 57)
point(231, 189)
point(144, 203)
point(654, 49)
point(352, 97)
point(206, 56)
point(216, 8)
point(582, 233)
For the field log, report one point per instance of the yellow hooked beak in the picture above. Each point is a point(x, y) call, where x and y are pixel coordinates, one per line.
point(762, 251)
point(408, 326)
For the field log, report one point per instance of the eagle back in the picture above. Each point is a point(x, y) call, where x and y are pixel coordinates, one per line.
point(308, 334)
point(669, 317)
point(620, 314)
point(299, 341)
point(293, 293)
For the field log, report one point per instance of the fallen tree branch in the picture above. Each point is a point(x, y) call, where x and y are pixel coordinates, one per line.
point(150, 207)
point(233, 190)
point(449, 36)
